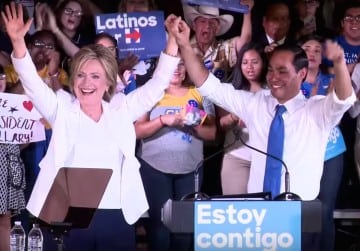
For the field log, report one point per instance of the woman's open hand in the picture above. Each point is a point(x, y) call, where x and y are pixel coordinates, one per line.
point(16, 28)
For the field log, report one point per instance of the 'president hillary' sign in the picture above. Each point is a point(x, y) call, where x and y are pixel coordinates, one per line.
point(141, 33)
point(19, 120)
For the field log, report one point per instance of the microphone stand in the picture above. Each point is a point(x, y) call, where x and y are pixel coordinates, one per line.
point(197, 195)
point(287, 195)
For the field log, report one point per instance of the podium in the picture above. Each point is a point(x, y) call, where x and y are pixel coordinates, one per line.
point(74, 196)
point(178, 216)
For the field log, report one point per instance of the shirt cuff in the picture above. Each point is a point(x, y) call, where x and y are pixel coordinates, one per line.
point(166, 63)
point(349, 100)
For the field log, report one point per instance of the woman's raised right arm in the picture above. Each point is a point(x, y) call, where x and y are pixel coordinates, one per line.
point(40, 94)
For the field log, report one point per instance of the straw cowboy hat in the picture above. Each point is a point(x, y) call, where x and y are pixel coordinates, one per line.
point(193, 12)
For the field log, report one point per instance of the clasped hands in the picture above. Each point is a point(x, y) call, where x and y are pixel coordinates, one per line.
point(177, 29)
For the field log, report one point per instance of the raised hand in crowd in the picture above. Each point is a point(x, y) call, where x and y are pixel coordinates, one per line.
point(342, 82)
point(180, 31)
point(40, 15)
point(334, 52)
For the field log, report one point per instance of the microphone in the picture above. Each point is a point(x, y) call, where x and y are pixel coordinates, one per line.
point(287, 195)
point(197, 195)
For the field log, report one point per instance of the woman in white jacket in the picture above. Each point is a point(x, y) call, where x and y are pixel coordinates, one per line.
point(88, 132)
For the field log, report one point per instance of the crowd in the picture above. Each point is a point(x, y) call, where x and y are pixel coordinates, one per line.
point(293, 65)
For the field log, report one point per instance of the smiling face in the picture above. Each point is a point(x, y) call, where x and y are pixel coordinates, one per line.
point(251, 65)
point(90, 83)
point(206, 29)
point(313, 51)
point(282, 78)
point(43, 43)
point(351, 26)
point(71, 15)
point(276, 23)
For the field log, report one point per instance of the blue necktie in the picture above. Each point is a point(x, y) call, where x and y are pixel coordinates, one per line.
point(272, 179)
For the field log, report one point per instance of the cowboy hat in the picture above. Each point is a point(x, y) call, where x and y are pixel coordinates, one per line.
point(193, 12)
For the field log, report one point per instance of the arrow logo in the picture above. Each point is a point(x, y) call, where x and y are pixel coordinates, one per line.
point(135, 36)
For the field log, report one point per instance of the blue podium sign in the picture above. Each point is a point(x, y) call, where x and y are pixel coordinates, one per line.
point(247, 225)
point(141, 33)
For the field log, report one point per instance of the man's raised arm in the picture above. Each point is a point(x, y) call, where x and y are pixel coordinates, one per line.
point(342, 81)
point(194, 65)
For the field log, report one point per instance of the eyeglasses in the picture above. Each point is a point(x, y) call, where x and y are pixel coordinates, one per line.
point(2, 76)
point(351, 19)
point(41, 44)
point(73, 13)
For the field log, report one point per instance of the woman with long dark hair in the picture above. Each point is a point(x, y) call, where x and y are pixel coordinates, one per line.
point(249, 75)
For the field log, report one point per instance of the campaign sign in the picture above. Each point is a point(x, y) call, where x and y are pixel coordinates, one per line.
point(247, 225)
point(336, 144)
point(141, 33)
point(19, 120)
point(232, 5)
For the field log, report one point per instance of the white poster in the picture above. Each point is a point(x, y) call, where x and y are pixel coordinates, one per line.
point(20, 122)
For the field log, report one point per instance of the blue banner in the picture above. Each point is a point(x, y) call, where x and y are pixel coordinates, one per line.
point(336, 144)
point(141, 33)
point(247, 225)
point(232, 5)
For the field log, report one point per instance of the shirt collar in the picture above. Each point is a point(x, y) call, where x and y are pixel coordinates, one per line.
point(279, 42)
point(291, 105)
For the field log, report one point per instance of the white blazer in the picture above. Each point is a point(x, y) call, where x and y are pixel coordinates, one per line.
point(63, 114)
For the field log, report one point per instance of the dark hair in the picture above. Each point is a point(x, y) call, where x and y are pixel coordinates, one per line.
point(239, 81)
point(303, 39)
point(60, 9)
point(349, 5)
point(41, 33)
point(293, 27)
point(122, 5)
point(105, 35)
point(288, 3)
point(300, 60)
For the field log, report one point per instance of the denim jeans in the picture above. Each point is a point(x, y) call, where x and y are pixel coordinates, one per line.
point(329, 186)
point(160, 187)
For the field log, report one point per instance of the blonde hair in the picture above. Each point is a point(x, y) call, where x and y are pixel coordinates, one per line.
point(104, 57)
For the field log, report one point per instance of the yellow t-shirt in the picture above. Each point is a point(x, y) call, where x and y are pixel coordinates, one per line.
point(12, 77)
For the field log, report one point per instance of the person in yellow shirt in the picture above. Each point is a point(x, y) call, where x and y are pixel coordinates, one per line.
point(43, 50)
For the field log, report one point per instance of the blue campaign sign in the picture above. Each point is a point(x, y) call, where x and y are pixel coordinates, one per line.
point(141, 33)
point(247, 225)
point(336, 144)
point(232, 5)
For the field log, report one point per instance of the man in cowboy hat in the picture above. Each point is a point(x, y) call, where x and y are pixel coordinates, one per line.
point(207, 23)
